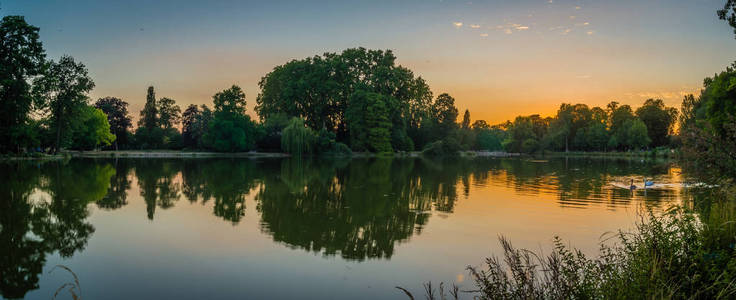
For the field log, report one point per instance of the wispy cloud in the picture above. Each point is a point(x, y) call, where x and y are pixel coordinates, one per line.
point(457, 24)
point(483, 34)
point(666, 95)
point(590, 32)
point(509, 28)
point(474, 26)
point(577, 7)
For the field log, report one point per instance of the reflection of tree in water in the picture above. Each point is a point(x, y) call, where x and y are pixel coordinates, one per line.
point(156, 183)
point(30, 229)
point(358, 209)
point(117, 195)
point(227, 181)
point(576, 182)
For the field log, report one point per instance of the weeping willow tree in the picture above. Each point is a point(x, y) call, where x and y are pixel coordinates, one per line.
point(297, 139)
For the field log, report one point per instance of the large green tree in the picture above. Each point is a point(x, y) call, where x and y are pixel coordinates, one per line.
point(526, 133)
point(318, 89)
point(22, 58)
point(169, 114)
point(63, 91)
point(718, 99)
point(637, 136)
point(659, 119)
point(117, 116)
point(444, 114)
point(91, 129)
point(368, 122)
point(195, 123)
point(231, 130)
point(569, 120)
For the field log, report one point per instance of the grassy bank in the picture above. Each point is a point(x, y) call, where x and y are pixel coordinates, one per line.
point(33, 156)
point(687, 252)
point(653, 153)
point(253, 154)
point(169, 154)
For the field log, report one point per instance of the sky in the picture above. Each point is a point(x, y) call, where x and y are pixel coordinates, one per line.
point(499, 59)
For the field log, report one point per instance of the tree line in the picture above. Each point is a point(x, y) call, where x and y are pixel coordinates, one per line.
point(356, 100)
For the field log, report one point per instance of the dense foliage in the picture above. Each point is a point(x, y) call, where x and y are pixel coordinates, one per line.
point(321, 90)
point(117, 115)
point(22, 58)
point(231, 130)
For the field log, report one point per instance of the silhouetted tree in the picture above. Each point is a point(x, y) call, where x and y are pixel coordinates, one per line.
point(22, 58)
point(117, 115)
point(659, 119)
point(64, 87)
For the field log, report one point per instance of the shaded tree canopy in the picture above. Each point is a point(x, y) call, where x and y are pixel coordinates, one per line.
point(659, 120)
point(318, 89)
point(728, 14)
point(91, 129)
point(195, 123)
point(22, 58)
point(169, 113)
point(231, 130)
point(63, 92)
point(230, 101)
point(117, 116)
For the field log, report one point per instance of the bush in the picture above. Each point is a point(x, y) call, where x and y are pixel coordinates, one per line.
point(229, 132)
point(448, 146)
point(298, 139)
point(338, 149)
point(530, 146)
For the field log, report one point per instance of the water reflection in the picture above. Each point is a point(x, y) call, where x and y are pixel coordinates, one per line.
point(357, 209)
point(53, 221)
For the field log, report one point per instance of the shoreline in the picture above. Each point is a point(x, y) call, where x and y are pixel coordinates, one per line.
point(253, 154)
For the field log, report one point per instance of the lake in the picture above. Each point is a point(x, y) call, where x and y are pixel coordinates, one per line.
point(300, 228)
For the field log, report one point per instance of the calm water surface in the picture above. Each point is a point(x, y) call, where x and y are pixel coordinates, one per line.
point(288, 228)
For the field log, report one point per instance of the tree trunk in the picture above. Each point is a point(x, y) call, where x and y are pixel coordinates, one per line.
point(58, 137)
point(57, 144)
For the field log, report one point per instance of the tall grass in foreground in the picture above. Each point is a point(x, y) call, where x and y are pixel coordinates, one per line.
point(676, 255)
point(74, 289)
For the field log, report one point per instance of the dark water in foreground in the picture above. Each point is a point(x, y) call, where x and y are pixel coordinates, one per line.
point(287, 228)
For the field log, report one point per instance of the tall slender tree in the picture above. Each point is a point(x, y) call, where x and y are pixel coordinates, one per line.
point(149, 114)
point(466, 120)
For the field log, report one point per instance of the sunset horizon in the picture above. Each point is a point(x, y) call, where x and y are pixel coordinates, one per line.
point(498, 60)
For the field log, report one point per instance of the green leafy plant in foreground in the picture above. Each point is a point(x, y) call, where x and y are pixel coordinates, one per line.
point(675, 255)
